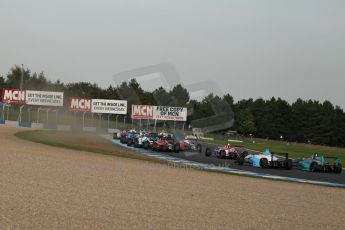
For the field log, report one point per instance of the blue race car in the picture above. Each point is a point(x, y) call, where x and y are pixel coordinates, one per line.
point(130, 138)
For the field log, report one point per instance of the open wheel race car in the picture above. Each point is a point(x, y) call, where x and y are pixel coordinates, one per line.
point(145, 140)
point(166, 144)
point(319, 163)
point(268, 160)
point(226, 152)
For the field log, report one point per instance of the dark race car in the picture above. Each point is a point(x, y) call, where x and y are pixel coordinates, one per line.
point(130, 138)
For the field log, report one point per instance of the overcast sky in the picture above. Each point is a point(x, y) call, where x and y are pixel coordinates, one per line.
point(262, 48)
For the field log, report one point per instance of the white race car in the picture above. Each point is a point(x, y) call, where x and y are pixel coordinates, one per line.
point(268, 160)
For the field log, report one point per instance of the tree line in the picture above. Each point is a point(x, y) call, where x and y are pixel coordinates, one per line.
point(306, 121)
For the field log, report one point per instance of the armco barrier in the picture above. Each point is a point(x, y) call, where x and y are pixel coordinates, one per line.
point(90, 129)
point(63, 127)
point(101, 130)
point(25, 124)
point(49, 126)
point(76, 128)
point(113, 131)
point(37, 125)
point(16, 123)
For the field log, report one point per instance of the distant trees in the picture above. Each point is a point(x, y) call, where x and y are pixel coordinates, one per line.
point(305, 121)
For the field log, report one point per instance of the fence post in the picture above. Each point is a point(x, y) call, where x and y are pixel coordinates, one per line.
point(38, 114)
point(20, 113)
point(84, 119)
point(3, 111)
point(117, 116)
point(109, 119)
point(29, 113)
point(57, 114)
point(124, 122)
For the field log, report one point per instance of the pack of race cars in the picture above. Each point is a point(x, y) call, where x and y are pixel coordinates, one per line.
point(164, 142)
point(168, 142)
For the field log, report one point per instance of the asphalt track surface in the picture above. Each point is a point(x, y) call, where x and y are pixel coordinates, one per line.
point(295, 172)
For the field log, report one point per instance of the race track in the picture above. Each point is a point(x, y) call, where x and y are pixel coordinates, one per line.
point(44, 187)
point(332, 179)
point(295, 172)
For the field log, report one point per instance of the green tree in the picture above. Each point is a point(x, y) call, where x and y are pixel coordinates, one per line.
point(245, 121)
point(179, 96)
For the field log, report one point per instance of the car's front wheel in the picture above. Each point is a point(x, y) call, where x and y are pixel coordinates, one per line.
point(264, 163)
point(208, 152)
point(338, 168)
point(313, 167)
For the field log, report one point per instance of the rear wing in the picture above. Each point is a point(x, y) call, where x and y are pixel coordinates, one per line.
point(286, 155)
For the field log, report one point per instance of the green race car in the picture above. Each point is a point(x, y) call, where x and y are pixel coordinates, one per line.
point(319, 163)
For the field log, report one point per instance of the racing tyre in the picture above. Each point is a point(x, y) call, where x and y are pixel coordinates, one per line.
point(313, 167)
point(208, 152)
point(222, 154)
point(240, 160)
point(136, 144)
point(146, 145)
point(177, 148)
point(129, 142)
point(288, 164)
point(264, 163)
point(163, 148)
point(199, 148)
point(244, 154)
point(337, 168)
point(154, 147)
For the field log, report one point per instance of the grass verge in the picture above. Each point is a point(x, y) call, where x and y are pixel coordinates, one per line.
point(90, 142)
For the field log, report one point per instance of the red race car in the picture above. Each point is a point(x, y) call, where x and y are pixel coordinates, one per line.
point(166, 144)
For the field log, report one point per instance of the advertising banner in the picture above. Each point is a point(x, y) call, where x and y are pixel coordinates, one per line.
point(164, 113)
point(167, 113)
point(79, 104)
point(108, 106)
point(13, 96)
point(142, 112)
point(44, 98)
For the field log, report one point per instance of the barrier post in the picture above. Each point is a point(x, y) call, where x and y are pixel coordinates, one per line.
point(174, 125)
point(139, 123)
point(155, 126)
point(147, 124)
